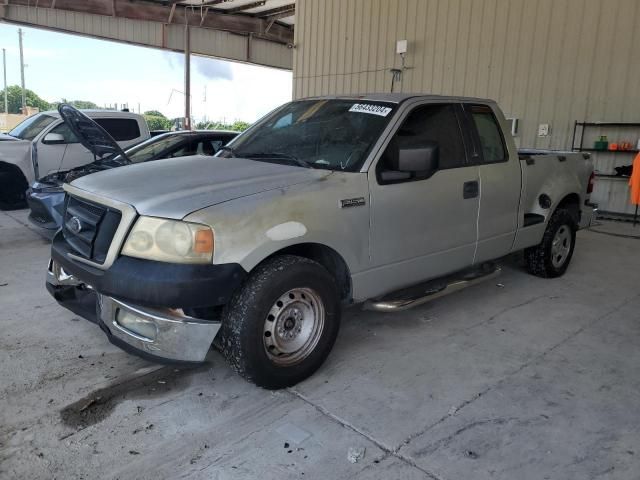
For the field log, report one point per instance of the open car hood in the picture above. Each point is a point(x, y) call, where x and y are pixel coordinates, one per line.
point(91, 135)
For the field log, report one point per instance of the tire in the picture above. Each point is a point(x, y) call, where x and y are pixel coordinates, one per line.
point(282, 323)
point(551, 257)
point(13, 189)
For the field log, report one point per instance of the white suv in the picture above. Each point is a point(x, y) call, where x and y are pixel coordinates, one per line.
point(43, 144)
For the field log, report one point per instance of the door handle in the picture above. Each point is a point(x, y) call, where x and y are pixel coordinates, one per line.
point(470, 189)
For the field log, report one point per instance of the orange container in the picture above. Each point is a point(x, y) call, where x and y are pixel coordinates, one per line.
point(613, 146)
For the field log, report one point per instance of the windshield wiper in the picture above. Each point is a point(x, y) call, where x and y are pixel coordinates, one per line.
point(276, 155)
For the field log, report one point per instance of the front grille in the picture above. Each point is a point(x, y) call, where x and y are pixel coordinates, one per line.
point(89, 228)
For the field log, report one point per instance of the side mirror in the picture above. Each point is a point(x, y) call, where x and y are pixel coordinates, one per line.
point(421, 161)
point(53, 139)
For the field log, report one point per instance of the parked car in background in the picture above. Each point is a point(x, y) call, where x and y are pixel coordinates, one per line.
point(46, 196)
point(42, 144)
point(387, 200)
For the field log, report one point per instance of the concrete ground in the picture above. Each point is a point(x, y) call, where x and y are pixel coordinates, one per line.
point(519, 378)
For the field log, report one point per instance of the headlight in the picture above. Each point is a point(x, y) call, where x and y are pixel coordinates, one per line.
point(169, 241)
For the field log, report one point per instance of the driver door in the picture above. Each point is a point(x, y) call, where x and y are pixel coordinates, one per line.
point(424, 226)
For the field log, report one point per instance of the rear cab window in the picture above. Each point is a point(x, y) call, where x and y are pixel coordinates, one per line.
point(121, 129)
point(489, 133)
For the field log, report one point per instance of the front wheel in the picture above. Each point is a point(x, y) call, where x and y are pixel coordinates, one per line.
point(280, 327)
point(12, 189)
point(551, 257)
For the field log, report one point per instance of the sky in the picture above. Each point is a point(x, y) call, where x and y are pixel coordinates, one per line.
point(79, 68)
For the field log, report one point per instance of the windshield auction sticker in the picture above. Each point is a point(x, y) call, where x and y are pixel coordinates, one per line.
point(369, 108)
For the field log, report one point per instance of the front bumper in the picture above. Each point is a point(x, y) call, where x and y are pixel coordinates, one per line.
point(152, 283)
point(158, 334)
point(46, 208)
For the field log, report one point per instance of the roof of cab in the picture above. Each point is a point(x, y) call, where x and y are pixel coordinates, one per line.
point(401, 97)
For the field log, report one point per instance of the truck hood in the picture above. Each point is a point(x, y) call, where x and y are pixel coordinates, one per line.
point(91, 135)
point(176, 187)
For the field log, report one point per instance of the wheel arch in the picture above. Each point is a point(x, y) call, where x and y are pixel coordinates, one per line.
point(570, 202)
point(328, 258)
point(12, 181)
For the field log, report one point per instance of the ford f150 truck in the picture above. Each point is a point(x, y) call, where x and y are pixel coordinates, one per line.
point(384, 200)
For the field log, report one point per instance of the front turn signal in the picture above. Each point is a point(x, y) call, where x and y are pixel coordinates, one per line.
point(203, 241)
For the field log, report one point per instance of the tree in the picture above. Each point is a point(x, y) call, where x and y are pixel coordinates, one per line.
point(158, 122)
point(154, 113)
point(81, 104)
point(237, 126)
point(14, 99)
point(84, 104)
point(240, 126)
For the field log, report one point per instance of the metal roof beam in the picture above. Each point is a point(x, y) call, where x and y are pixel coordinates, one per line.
point(151, 12)
point(278, 12)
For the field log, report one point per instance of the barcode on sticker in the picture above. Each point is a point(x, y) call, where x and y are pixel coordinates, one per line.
point(369, 108)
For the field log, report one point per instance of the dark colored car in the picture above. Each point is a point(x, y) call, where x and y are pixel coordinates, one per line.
point(46, 196)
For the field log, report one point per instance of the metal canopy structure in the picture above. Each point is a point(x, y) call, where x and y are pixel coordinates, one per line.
point(258, 32)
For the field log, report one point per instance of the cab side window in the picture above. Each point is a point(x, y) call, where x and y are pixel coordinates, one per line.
point(429, 128)
point(489, 133)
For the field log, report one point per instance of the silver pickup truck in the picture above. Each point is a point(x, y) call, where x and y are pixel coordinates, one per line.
point(380, 200)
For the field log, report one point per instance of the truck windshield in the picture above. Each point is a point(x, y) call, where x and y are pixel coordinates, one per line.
point(335, 134)
point(32, 126)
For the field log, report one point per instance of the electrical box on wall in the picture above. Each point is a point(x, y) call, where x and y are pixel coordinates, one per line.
point(543, 130)
point(401, 47)
point(514, 123)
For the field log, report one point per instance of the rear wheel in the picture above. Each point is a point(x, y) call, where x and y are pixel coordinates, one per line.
point(13, 187)
point(281, 325)
point(552, 256)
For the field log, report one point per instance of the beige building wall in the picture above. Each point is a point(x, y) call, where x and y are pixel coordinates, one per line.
point(545, 61)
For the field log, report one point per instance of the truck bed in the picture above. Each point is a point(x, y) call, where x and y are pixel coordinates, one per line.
point(545, 177)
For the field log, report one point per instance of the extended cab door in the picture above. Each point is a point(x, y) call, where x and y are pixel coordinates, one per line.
point(423, 226)
point(500, 182)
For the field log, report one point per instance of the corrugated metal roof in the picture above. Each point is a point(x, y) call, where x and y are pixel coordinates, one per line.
point(255, 8)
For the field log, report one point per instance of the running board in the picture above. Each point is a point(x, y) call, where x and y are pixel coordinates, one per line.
point(425, 292)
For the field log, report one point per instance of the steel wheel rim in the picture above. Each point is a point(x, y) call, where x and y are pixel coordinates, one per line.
point(293, 326)
point(561, 246)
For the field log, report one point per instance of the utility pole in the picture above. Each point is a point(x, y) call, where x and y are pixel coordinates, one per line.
point(187, 77)
point(24, 93)
point(4, 69)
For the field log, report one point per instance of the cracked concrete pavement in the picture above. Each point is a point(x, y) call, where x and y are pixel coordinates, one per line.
point(515, 378)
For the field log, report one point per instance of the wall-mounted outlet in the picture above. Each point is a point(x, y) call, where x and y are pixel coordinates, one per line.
point(543, 130)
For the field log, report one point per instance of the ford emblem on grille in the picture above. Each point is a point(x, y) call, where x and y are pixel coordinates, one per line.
point(74, 225)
